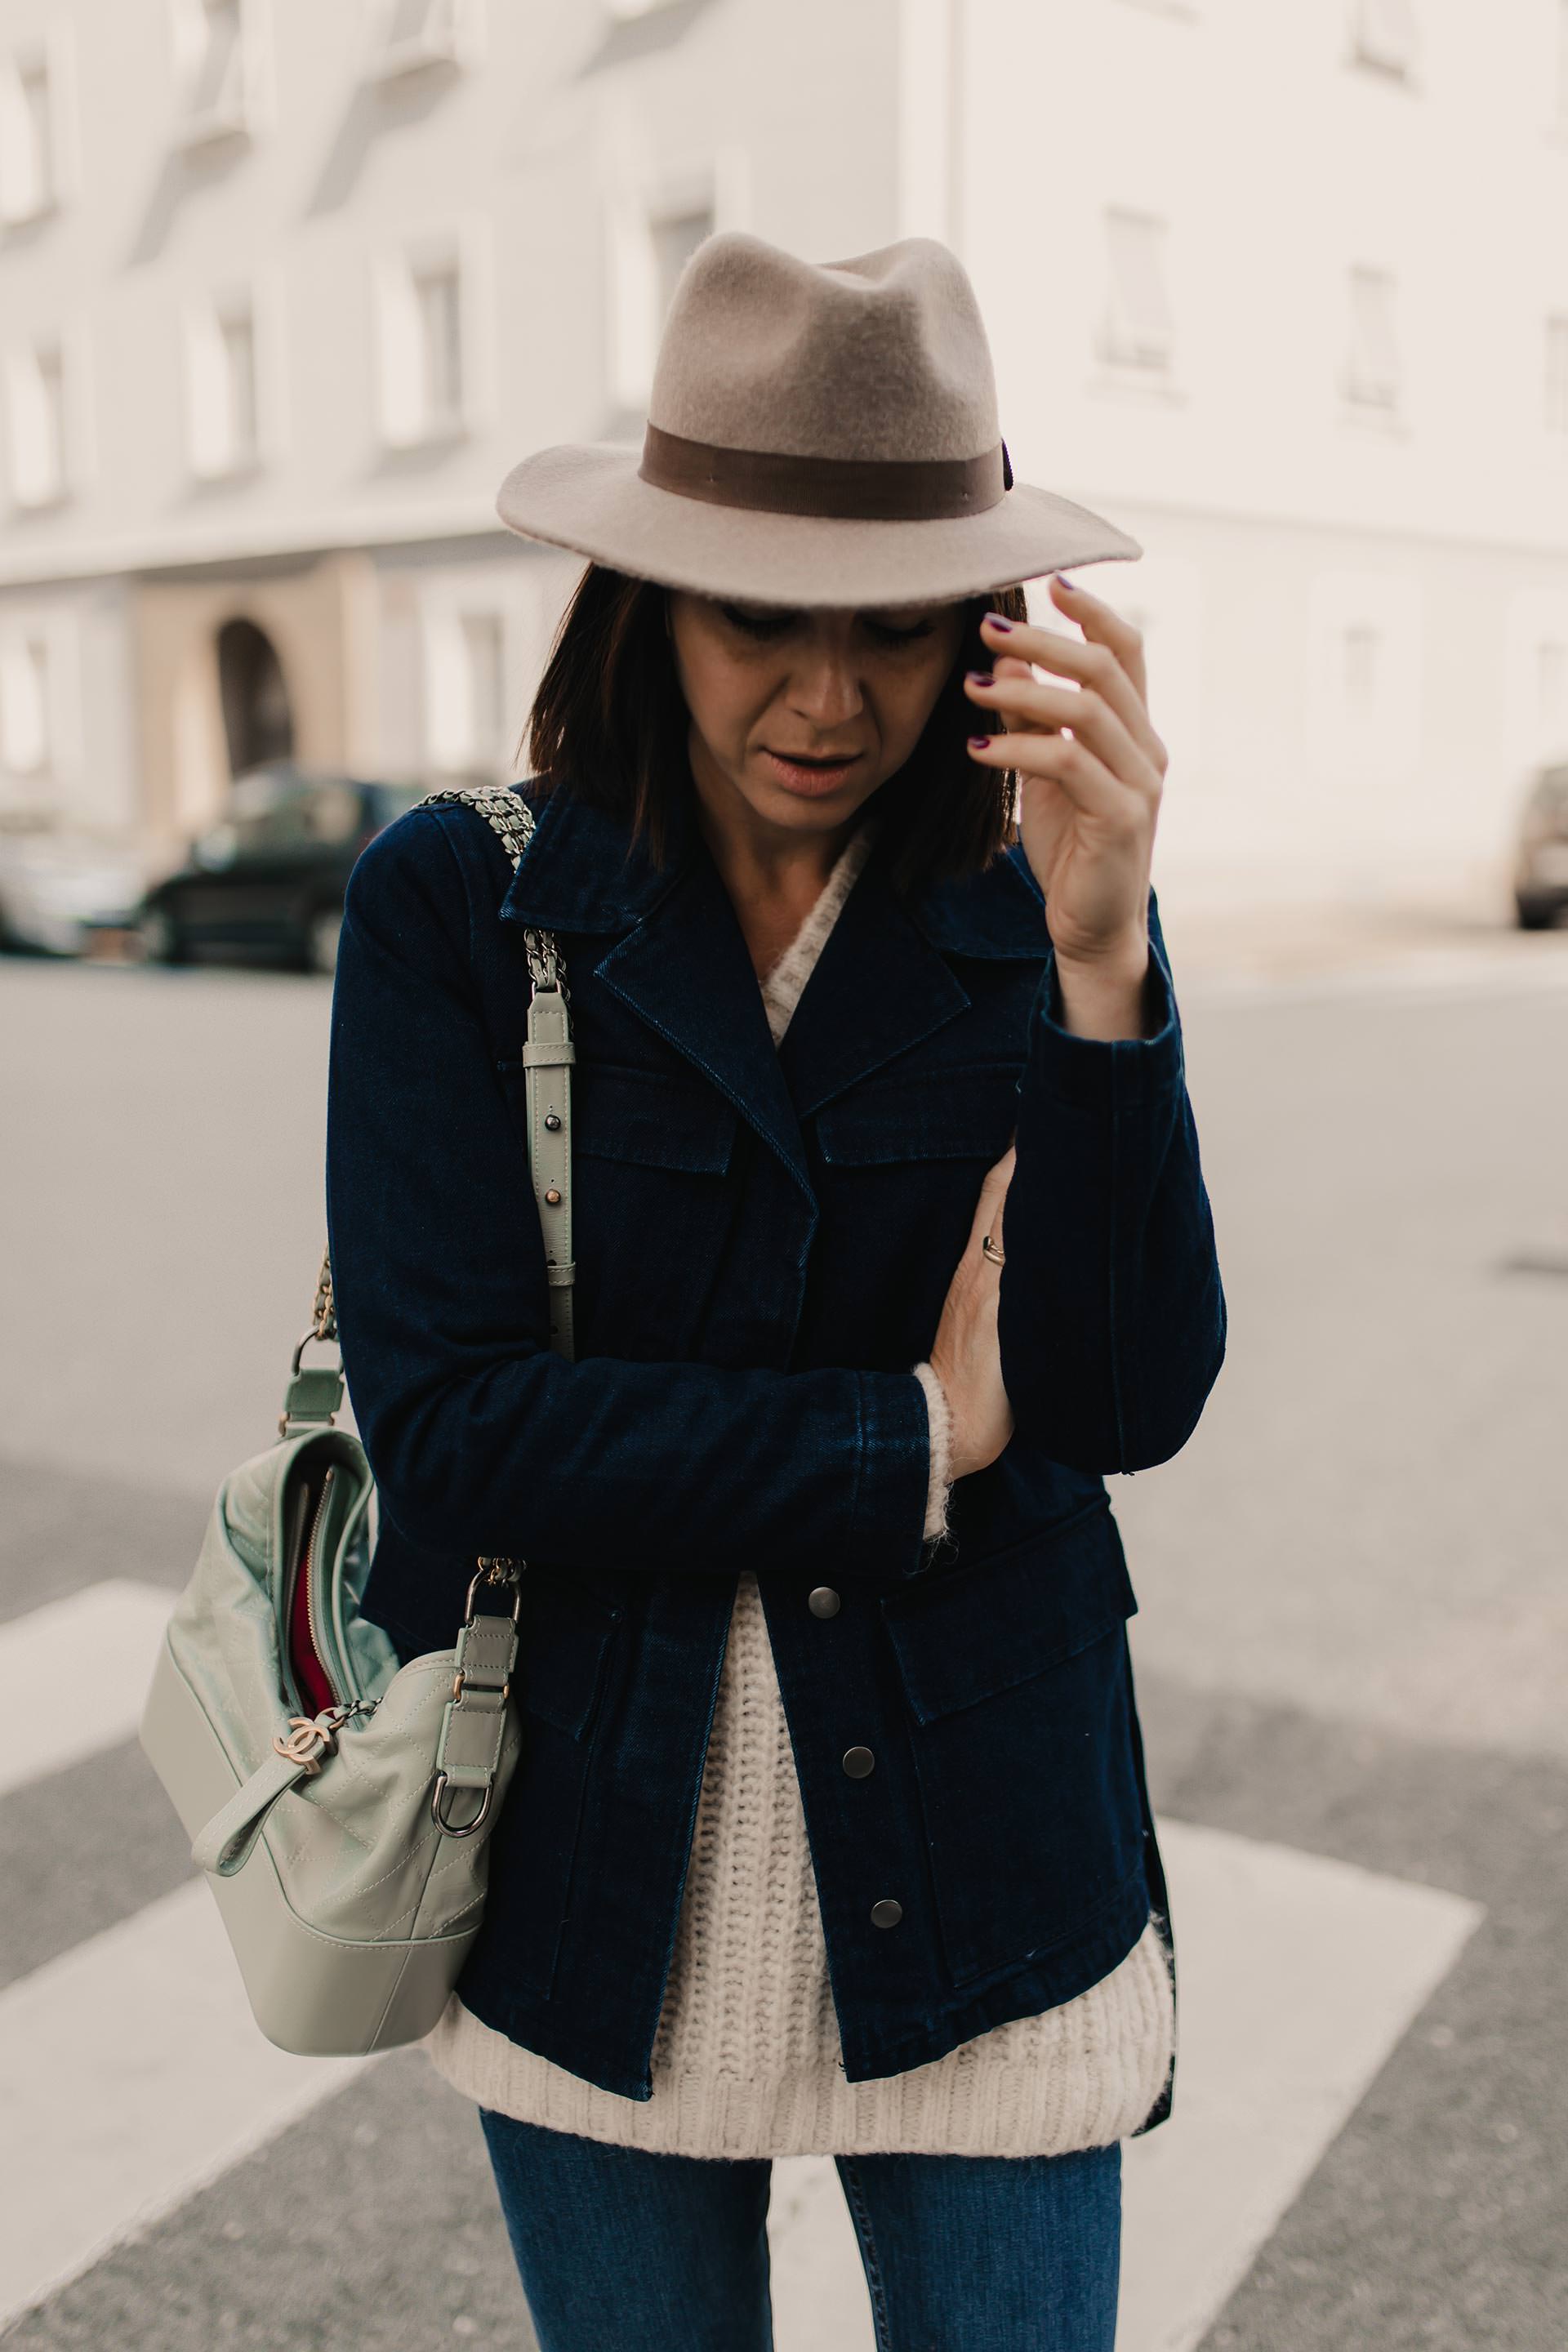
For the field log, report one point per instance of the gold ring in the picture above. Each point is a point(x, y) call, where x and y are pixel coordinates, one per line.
point(989, 1248)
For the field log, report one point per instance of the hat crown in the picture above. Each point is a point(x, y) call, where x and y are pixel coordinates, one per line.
point(882, 357)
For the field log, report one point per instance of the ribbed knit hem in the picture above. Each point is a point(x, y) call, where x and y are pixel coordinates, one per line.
point(1082, 2075)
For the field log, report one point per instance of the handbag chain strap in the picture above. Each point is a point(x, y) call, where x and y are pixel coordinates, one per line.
point(314, 1396)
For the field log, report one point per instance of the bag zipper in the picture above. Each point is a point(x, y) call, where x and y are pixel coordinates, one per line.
point(308, 1570)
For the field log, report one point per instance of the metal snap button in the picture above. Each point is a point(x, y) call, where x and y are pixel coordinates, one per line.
point(823, 1602)
point(887, 1913)
point(858, 1761)
point(553, 1120)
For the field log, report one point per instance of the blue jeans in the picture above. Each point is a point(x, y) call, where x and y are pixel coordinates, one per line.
point(623, 2251)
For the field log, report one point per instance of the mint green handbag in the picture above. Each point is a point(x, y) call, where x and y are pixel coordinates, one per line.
point(340, 1805)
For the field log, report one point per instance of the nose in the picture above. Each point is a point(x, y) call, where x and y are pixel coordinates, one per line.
point(824, 688)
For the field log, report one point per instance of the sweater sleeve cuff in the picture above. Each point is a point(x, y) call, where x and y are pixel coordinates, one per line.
point(939, 1414)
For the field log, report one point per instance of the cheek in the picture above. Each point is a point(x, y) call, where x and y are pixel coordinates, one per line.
point(906, 703)
point(725, 698)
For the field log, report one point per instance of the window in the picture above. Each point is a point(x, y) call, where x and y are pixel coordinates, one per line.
point(213, 69)
point(466, 701)
point(1383, 37)
point(221, 390)
point(1139, 328)
point(29, 162)
point(36, 423)
point(440, 310)
point(1371, 370)
point(483, 662)
point(424, 376)
point(1556, 399)
point(25, 737)
point(1359, 648)
point(410, 34)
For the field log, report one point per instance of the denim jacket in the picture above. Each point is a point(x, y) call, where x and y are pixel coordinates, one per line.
point(765, 1238)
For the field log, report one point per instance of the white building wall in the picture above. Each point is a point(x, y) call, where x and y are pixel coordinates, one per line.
point(1278, 520)
point(1358, 625)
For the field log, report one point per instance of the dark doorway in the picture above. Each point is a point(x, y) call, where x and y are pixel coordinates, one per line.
point(256, 719)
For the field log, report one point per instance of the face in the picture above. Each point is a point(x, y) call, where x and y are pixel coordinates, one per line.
point(801, 715)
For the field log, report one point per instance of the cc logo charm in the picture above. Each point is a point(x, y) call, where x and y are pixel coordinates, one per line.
point(306, 1743)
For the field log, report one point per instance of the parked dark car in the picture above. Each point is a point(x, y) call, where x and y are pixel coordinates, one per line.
point(1540, 869)
point(268, 881)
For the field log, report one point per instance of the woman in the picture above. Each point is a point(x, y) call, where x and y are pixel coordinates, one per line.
point(831, 1830)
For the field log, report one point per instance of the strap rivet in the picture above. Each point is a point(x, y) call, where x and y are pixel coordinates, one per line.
point(552, 1120)
point(552, 1195)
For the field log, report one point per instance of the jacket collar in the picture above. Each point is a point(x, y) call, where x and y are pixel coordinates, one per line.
point(680, 961)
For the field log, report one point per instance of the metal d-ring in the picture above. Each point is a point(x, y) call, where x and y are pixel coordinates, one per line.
point(458, 1828)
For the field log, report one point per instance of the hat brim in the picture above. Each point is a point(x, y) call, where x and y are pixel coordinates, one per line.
point(588, 496)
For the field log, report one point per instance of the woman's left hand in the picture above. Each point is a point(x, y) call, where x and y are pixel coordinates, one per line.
point(1091, 772)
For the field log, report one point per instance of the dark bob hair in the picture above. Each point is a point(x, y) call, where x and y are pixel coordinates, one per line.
point(610, 724)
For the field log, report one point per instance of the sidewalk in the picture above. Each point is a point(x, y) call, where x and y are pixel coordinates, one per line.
point(1310, 945)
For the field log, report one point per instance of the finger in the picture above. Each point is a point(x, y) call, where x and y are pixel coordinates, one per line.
point(1088, 660)
point(1084, 781)
point(993, 1191)
point(1099, 622)
point(992, 1201)
point(995, 1227)
point(1090, 718)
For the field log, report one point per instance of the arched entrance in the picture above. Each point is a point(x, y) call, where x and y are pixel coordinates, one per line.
point(257, 721)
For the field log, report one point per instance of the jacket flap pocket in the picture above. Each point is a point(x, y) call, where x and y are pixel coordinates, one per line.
point(941, 1114)
point(981, 1629)
point(562, 1653)
point(621, 1113)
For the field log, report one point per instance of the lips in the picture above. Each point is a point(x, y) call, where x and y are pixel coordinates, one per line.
point(806, 771)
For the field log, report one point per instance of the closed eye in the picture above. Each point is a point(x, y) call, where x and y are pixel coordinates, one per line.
point(762, 622)
point(893, 633)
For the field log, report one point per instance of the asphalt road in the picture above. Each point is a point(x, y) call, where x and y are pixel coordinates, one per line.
point(1350, 1644)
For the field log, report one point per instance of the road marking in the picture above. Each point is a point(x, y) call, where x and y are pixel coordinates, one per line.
point(75, 1675)
point(1298, 1974)
point(132, 2074)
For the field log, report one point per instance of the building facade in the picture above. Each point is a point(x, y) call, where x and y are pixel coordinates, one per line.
point(285, 290)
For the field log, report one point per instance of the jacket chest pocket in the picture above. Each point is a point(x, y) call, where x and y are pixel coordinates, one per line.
point(650, 1206)
point(902, 1160)
point(945, 1116)
point(1019, 1705)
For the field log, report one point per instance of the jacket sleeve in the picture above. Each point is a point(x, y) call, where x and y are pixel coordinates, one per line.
point(1112, 1319)
point(482, 1439)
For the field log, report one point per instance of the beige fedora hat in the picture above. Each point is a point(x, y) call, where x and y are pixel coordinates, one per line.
point(818, 434)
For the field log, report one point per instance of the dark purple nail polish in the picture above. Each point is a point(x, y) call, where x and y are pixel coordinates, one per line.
point(997, 622)
point(1063, 582)
point(981, 676)
point(978, 743)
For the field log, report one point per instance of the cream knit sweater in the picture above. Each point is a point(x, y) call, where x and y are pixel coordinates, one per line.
point(746, 2059)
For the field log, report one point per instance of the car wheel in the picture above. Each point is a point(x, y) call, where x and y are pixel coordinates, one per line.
point(322, 938)
point(161, 941)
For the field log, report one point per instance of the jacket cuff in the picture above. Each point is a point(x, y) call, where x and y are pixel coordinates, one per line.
point(938, 1485)
point(893, 1478)
point(1105, 1074)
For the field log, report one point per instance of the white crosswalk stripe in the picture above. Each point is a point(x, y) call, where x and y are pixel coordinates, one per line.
point(131, 2067)
point(132, 2073)
point(73, 1675)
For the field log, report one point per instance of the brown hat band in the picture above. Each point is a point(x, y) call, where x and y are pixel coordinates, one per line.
point(841, 490)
